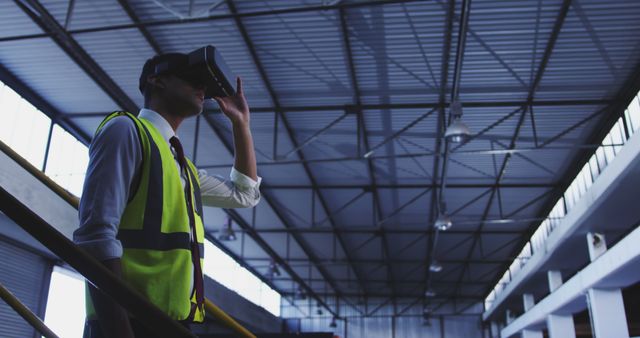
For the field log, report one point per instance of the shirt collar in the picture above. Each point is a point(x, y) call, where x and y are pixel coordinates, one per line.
point(159, 122)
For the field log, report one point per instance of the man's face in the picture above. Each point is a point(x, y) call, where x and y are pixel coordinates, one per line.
point(185, 98)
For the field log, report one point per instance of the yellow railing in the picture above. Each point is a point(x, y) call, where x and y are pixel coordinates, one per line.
point(25, 313)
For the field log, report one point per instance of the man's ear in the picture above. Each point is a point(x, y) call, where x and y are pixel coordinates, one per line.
point(156, 81)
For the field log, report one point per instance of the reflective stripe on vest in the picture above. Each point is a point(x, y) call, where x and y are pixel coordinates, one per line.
point(154, 228)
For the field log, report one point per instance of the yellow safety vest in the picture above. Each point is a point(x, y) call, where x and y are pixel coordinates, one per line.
point(154, 229)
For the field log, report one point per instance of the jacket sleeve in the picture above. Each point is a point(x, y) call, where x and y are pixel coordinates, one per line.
point(115, 156)
point(239, 191)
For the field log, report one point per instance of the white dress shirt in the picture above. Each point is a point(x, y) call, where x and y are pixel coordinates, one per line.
point(115, 156)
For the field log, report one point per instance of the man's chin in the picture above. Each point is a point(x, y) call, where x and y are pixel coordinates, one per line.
point(194, 110)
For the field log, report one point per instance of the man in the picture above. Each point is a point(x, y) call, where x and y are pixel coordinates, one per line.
point(141, 207)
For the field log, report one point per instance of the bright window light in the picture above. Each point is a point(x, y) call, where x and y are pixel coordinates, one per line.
point(24, 128)
point(65, 307)
point(68, 160)
point(223, 269)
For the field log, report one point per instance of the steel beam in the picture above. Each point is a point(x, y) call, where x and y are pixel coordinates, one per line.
point(315, 136)
point(394, 230)
point(331, 261)
point(411, 186)
point(397, 133)
point(405, 294)
point(143, 30)
point(219, 17)
point(40, 16)
point(406, 106)
point(427, 154)
point(69, 15)
point(407, 282)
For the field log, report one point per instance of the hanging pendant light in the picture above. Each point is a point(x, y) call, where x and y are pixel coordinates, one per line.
point(300, 294)
point(443, 222)
point(333, 323)
point(273, 270)
point(457, 131)
point(430, 293)
point(435, 266)
point(226, 233)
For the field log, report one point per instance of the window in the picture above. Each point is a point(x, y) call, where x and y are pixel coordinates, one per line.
point(634, 114)
point(223, 269)
point(24, 128)
point(65, 307)
point(68, 160)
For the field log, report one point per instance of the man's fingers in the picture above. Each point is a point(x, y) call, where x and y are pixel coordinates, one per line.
point(239, 85)
point(220, 102)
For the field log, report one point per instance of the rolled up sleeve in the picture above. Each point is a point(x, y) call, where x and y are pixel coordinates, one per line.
point(239, 191)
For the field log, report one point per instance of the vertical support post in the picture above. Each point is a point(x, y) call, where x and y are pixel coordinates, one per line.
point(494, 330)
point(276, 123)
point(393, 326)
point(555, 280)
point(606, 309)
point(606, 306)
point(531, 334)
point(48, 147)
point(358, 134)
point(528, 303)
point(508, 318)
point(346, 332)
point(559, 326)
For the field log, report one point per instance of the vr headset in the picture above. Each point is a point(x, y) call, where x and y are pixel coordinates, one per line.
point(203, 67)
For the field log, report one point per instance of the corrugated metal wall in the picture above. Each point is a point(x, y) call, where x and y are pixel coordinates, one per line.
point(27, 276)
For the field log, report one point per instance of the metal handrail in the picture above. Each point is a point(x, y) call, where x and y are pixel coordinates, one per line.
point(25, 313)
point(85, 264)
point(222, 316)
point(96, 273)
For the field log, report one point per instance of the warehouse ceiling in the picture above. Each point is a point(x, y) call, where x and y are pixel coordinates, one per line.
point(350, 100)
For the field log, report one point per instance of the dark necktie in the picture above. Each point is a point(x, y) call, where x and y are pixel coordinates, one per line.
point(195, 252)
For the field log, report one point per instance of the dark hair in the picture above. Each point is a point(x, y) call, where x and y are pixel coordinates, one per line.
point(149, 68)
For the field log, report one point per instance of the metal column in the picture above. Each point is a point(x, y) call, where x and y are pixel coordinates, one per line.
point(606, 310)
point(528, 302)
point(531, 334)
point(606, 306)
point(559, 325)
